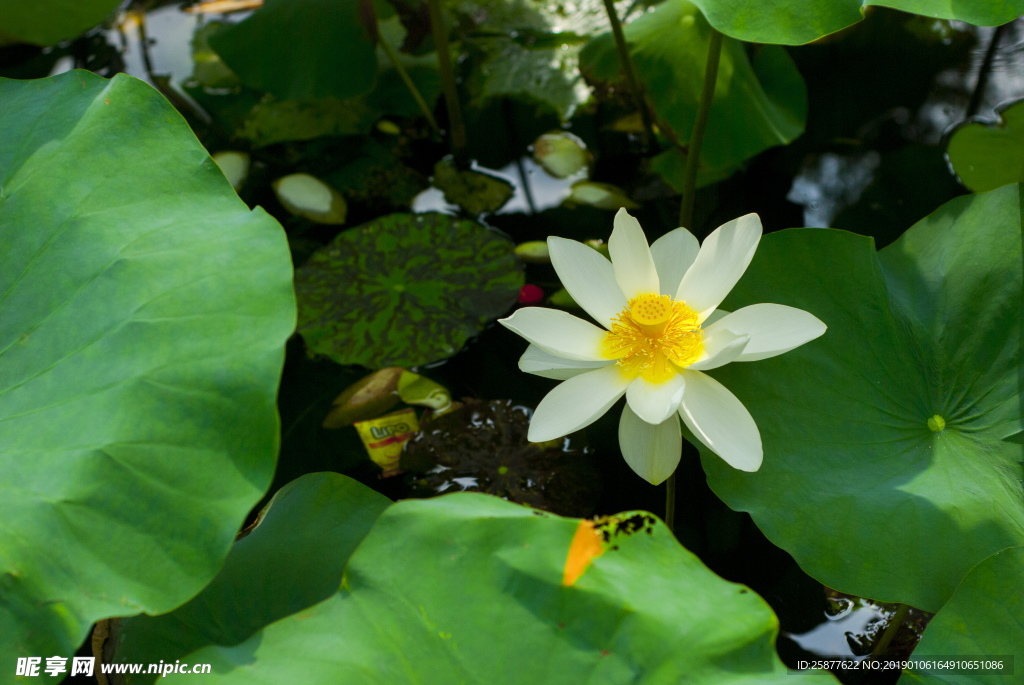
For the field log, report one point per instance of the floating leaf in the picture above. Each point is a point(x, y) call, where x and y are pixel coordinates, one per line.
point(301, 49)
point(757, 105)
point(561, 154)
point(476, 192)
point(404, 289)
point(459, 588)
point(988, 156)
point(482, 446)
point(600, 195)
point(534, 252)
point(235, 166)
point(307, 196)
point(45, 22)
point(855, 483)
point(143, 314)
point(796, 23)
point(378, 178)
point(984, 619)
point(292, 559)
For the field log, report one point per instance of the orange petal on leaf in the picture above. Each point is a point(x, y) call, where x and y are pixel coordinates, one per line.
point(586, 546)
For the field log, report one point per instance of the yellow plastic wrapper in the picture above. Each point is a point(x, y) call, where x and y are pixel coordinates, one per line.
point(385, 437)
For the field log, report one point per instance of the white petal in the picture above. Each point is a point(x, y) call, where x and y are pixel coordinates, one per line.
point(723, 258)
point(652, 451)
point(541, 363)
point(588, 277)
point(713, 317)
point(558, 332)
point(655, 402)
point(631, 257)
point(773, 329)
point(577, 403)
point(720, 421)
point(673, 254)
point(720, 349)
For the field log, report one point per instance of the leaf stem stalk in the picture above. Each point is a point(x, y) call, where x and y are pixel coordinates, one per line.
point(451, 93)
point(670, 502)
point(397, 64)
point(707, 94)
point(890, 630)
point(650, 143)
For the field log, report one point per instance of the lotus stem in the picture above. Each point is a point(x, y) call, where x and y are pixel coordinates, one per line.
point(397, 64)
point(627, 67)
point(890, 630)
point(670, 502)
point(451, 93)
point(707, 94)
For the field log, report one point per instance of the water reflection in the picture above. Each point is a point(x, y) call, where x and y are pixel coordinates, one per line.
point(832, 638)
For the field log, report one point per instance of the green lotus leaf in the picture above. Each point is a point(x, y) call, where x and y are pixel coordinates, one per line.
point(983, 618)
point(461, 588)
point(302, 49)
point(988, 156)
point(476, 192)
point(757, 105)
point(529, 48)
point(46, 22)
point(856, 485)
point(796, 23)
point(291, 560)
point(404, 289)
point(143, 315)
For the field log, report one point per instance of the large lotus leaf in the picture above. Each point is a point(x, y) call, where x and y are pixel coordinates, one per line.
point(855, 484)
point(143, 314)
point(986, 157)
point(756, 106)
point(45, 22)
point(796, 23)
point(405, 289)
point(291, 560)
point(983, 618)
point(302, 49)
point(468, 588)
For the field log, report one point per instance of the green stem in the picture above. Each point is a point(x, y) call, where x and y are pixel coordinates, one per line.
point(707, 94)
point(890, 630)
point(451, 93)
point(631, 80)
point(670, 502)
point(397, 64)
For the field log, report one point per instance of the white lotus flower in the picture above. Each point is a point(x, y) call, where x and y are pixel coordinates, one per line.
point(661, 331)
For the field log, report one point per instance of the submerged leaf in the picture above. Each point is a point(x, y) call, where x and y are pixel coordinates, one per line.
point(476, 192)
point(404, 289)
point(482, 447)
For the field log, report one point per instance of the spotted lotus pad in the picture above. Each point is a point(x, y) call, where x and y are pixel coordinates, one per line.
point(404, 289)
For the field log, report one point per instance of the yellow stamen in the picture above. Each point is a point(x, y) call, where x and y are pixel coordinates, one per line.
point(654, 337)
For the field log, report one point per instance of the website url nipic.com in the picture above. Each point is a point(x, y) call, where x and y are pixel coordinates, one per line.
point(30, 666)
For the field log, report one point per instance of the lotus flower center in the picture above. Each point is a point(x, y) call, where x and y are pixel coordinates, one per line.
point(654, 337)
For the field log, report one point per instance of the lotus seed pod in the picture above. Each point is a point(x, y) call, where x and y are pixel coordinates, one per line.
point(235, 166)
point(309, 197)
point(601, 195)
point(561, 154)
point(534, 252)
